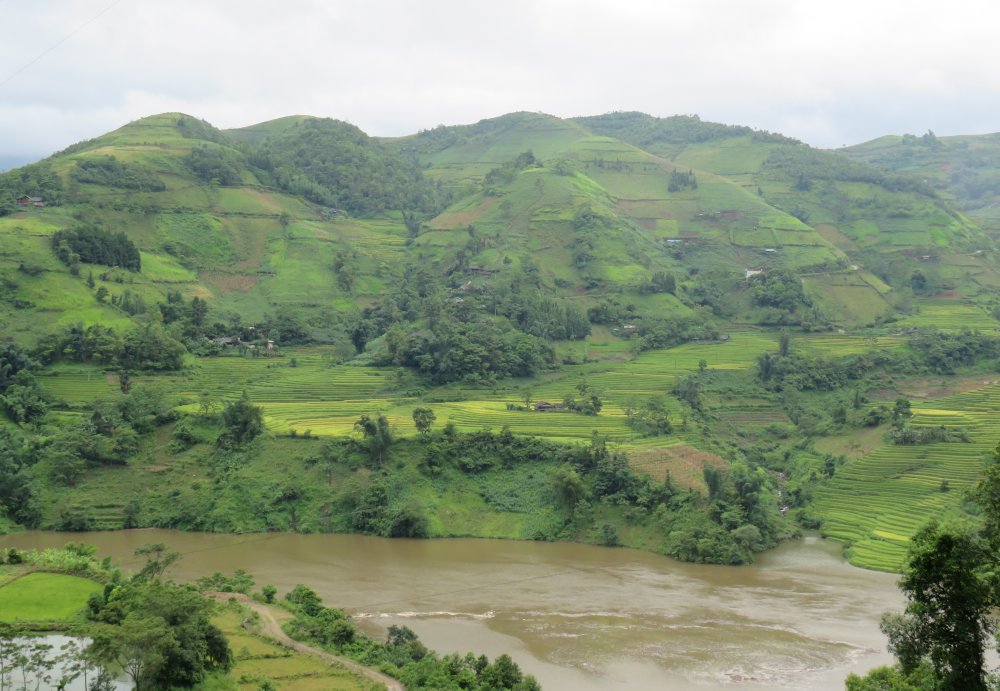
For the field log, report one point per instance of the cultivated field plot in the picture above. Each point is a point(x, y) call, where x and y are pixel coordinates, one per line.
point(654, 372)
point(276, 380)
point(326, 399)
point(949, 315)
point(842, 345)
point(337, 418)
point(258, 659)
point(879, 501)
point(748, 416)
point(75, 383)
point(39, 597)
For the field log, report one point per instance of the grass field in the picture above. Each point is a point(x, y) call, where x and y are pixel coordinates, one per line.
point(45, 597)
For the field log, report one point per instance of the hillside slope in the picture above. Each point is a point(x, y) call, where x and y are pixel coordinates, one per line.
point(964, 169)
point(206, 224)
point(886, 222)
point(312, 218)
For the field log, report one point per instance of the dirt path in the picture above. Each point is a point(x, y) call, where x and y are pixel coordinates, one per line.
point(272, 629)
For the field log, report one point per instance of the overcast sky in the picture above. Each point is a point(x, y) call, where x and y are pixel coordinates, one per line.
point(830, 73)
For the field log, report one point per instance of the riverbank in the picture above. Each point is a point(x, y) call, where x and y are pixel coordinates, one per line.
point(462, 485)
point(574, 616)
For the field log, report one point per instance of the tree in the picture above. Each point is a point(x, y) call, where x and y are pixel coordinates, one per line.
point(130, 514)
point(17, 495)
point(688, 389)
point(159, 633)
point(158, 560)
point(568, 486)
point(901, 413)
point(988, 495)
point(947, 619)
point(24, 401)
point(589, 402)
point(149, 347)
point(784, 341)
point(242, 422)
point(139, 646)
point(13, 359)
point(207, 405)
point(199, 310)
point(423, 418)
point(526, 396)
point(377, 436)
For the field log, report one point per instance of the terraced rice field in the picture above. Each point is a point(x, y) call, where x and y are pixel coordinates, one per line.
point(327, 400)
point(842, 345)
point(655, 372)
point(879, 501)
point(273, 380)
point(335, 418)
point(950, 315)
point(749, 416)
point(258, 659)
point(78, 383)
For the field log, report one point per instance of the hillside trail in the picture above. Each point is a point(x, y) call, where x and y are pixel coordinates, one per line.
point(272, 629)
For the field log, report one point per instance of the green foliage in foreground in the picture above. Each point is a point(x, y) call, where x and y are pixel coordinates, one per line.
point(402, 655)
point(157, 633)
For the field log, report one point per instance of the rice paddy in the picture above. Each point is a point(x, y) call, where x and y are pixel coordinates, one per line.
point(326, 399)
point(878, 502)
point(44, 597)
point(74, 383)
point(950, 315)
point(258, 660)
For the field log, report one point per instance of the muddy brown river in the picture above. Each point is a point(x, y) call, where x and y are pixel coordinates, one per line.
point(577, 617)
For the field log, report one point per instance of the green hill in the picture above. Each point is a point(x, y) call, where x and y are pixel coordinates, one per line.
point(681, 219)
point(885, 222)
point(962, 169)
point(720, 306)
point(207, 227)
point(248, 220)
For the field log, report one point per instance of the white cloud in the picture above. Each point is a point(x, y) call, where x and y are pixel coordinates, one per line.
point(829, 73)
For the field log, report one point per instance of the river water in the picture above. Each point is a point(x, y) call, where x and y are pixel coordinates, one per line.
point(576, 616)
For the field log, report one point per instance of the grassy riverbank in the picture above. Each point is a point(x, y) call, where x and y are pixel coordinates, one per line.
point(440, 485)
